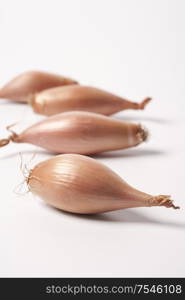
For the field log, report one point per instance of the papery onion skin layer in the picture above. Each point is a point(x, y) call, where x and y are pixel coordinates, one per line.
point(83, 98)
point(82, 133)
point(80, 184)
point(23, 87)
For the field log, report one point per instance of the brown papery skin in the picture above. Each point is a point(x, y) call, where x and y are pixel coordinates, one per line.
point(83, 98)
point(81, 132)
point(80, 184)
point(24, 86)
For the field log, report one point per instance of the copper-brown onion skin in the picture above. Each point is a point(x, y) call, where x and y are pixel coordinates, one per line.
point(83, 98)
point(24, 86)
point(83, 133)
point(80, 184)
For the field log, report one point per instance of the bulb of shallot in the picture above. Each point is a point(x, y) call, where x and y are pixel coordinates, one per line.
point(25, 85)
point(80, 184)
point(80, 132)
point(84, 98)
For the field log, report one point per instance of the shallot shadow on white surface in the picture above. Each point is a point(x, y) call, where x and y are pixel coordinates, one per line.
point(146, 118)
point(131, 215)
point(125, 153)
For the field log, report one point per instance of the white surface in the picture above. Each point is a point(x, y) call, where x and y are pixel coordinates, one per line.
point(132, 48)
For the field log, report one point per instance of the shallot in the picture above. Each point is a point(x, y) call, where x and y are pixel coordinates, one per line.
point(80, 184)
point(80, 132)
point(25, 85)
point(76, 97)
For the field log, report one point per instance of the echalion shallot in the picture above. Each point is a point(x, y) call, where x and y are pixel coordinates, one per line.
point(83, 98)
point(25, 85)
point(80, 184)
point(80, 132)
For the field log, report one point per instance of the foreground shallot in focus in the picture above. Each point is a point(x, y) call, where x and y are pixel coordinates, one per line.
point(83, 98)
point(80, 184)
point(24, 86)
point(80, 132)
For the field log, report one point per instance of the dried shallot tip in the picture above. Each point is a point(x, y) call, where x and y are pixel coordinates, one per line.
point(80, 132)
point(80, 184)
point(142, 104)
point(83, 98)
point(23, 87)
point(163, 200)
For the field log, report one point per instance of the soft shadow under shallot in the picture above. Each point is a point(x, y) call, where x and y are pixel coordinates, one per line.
point(27, 152)
point(134, 152)
point(143, 118)
point(13, 103)
point(121, 216)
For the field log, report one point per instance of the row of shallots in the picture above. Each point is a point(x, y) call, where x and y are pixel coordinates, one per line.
point(77, 125)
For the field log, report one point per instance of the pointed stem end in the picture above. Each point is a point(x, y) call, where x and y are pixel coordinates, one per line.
point(163, 200)
point(142, 104)
point(13, 137)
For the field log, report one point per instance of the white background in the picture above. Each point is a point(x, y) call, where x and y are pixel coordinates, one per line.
point(134, 49)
